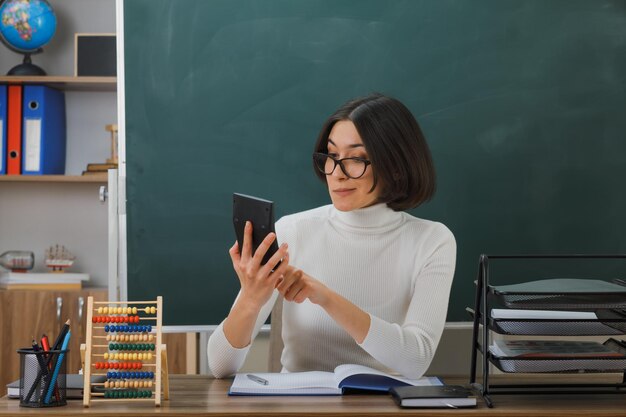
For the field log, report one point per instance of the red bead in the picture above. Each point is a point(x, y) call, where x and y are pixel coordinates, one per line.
point(93, 319)
point(96, 365)
point(136, 319)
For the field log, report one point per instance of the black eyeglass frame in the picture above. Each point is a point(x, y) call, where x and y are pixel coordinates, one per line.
point(340, 163)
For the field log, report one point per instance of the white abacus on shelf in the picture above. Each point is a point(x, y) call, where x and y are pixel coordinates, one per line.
point(124, 345)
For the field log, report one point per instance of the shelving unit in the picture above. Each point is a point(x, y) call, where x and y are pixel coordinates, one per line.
point(66, 83)
point(610, 320)
point(93, 178)
point(79, 224)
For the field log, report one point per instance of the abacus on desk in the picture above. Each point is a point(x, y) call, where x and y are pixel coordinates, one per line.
point(136, 367)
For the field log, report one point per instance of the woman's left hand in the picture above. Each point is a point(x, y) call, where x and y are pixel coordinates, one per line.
point(297, 286)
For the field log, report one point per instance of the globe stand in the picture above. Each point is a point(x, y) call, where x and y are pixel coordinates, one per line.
point(26, 67)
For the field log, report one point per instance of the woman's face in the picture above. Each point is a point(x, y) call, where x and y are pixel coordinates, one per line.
point(347, 193)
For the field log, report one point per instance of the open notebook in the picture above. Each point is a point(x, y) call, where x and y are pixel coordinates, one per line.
point(344, 378)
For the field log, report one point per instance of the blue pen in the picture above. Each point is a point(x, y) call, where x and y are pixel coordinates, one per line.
point(57, 368)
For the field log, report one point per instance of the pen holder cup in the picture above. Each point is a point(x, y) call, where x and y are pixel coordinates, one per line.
point(42, 378)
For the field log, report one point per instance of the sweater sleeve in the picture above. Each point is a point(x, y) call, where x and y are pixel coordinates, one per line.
point(409, 347)
point(224, 359)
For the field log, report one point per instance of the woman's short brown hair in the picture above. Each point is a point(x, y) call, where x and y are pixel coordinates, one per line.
point(401, 160)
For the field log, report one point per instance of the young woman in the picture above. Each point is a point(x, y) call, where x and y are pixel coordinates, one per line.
point(363, 281)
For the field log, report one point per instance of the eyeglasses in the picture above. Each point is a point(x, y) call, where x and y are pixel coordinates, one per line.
point(353, 167)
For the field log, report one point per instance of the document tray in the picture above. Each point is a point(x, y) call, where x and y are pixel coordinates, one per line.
point(564, 364)
point(562, 294)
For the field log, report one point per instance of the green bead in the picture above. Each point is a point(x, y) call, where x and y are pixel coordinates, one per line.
point(111, 346)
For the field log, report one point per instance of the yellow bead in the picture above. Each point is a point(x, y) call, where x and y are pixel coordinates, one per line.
point(134, 310)
point(105, 310)
point(149, 384)
point(99, 310)
point(152, 310)
point(106, 384)
point(150, 337)
point(149, 356)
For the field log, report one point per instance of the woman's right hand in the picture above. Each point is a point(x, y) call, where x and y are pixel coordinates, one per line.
point(257, 281)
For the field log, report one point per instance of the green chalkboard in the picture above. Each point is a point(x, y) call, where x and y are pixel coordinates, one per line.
point(523, 103)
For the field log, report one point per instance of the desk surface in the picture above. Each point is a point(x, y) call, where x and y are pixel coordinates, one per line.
point(200, 395)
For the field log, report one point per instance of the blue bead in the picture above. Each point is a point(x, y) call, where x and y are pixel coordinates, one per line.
point(149, 328)
point(151, 375)
point(106, 328)
point(108, 375)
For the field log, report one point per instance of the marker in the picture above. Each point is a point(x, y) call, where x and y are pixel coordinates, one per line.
point(258, 379)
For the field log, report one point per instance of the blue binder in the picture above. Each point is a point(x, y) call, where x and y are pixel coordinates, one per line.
point(43, 131)
point(3, 129)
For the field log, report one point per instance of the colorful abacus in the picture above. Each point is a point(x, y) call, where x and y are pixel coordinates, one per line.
point(124, 346)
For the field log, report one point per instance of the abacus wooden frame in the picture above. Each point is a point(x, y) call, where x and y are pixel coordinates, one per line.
point(161, 372)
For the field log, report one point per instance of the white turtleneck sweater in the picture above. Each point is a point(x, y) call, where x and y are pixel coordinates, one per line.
point(396, 267)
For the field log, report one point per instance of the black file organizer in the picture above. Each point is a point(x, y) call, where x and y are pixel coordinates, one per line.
point(609, 308)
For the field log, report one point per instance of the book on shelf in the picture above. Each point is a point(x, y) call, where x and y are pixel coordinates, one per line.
point(42, 280)
point(444, 396)
point(345, 378)
point(551, 349)
point(98, 168)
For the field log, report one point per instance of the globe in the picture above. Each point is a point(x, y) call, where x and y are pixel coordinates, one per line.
point(25, 27)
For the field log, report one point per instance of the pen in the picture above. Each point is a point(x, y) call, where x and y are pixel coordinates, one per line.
point(43, 371)
point(258, 379)
point(57, 368)
point(45, 343)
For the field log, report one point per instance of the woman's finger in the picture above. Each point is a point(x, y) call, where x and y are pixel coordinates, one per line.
point(275, 259)
point(292, 292)
point(263, 248)
point(246, 251)
point(288, 280)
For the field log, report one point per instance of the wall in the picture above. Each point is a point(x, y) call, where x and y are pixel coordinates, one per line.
point(34, 216)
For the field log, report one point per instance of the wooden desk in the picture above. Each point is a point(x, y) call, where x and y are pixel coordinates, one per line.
point(200, 395)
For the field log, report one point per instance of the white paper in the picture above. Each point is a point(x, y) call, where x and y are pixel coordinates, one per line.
point(32, 144)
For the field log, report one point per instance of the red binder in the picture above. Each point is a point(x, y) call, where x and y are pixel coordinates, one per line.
point(14, 130)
